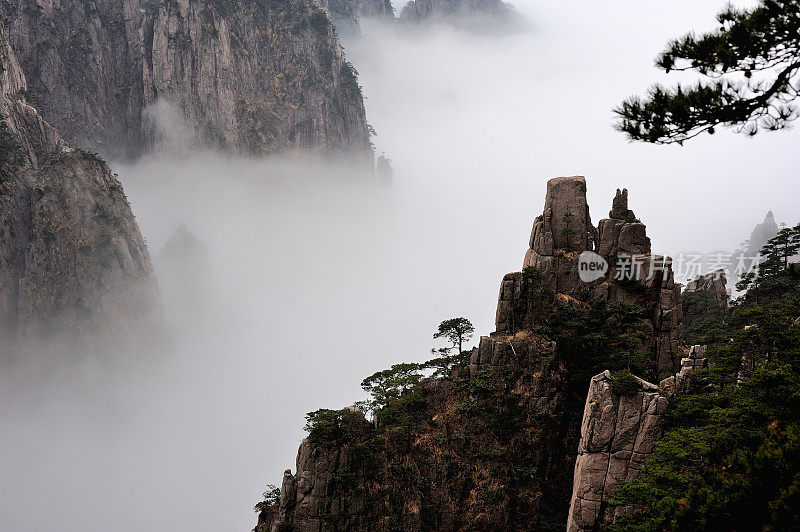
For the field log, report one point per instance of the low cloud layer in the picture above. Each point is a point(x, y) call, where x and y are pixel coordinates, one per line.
point(316, 277)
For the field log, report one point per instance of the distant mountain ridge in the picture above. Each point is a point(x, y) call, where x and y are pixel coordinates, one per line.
point(479, 15)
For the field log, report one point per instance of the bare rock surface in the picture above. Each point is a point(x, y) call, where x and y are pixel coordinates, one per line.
point(618, 434)
point(74, 269)
point(715, 283)
point(563, 232)
point(120, 77)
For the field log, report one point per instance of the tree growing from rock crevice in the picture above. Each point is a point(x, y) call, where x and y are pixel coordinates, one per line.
point(272, 497)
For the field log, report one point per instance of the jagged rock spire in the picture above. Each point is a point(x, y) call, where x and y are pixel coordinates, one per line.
point(621, 232)
point(561, 234)
point(619, 207)
point(565, 224)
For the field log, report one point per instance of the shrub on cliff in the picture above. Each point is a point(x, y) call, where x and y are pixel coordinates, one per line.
point(704, 321)
point(272, 497)
point(602, 336)
point(623, 383)
point(336, 427)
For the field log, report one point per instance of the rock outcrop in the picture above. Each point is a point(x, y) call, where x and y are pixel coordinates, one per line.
point(496, 454)
point(618, 434)
point(492, 445)
point(383, 169)
point(74, 269)
point(761, 234)
point(358, 9)
point(564, 232)
point(715, 284)
point(374, 8)
point(119, 77)
point(459, 11)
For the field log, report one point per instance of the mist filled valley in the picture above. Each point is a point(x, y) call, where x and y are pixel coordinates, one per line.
point(288, 278)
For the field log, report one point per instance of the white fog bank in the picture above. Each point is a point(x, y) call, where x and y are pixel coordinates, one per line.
point(316, 278)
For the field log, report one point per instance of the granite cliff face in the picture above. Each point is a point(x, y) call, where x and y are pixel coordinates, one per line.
point(485, 453)
point(74, 269)
point(618, 434)
point(354, 10)
point(636, 276)
point(493, 443)
point(119, 77)
point(715, 284)
point(374, 8)
point(347, 14)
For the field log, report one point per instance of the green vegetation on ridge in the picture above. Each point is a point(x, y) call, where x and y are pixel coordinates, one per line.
point(730, 455)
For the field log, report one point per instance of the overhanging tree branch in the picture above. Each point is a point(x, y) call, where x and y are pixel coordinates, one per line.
point(764, 42)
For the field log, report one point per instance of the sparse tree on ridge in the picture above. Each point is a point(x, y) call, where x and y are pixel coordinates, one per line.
point(751, 78)
point(456, 331)
point(390, 384)
point(271, 497)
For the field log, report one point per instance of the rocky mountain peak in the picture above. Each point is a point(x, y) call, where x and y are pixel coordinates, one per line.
point(562, 232)
point(715, 283)
point(448, 454)
point(760, 235)
point(566, 215)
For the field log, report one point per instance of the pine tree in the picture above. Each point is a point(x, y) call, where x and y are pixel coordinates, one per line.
point(456, 331)
point(775, 257)
point(750, 66)
point(787, 244)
